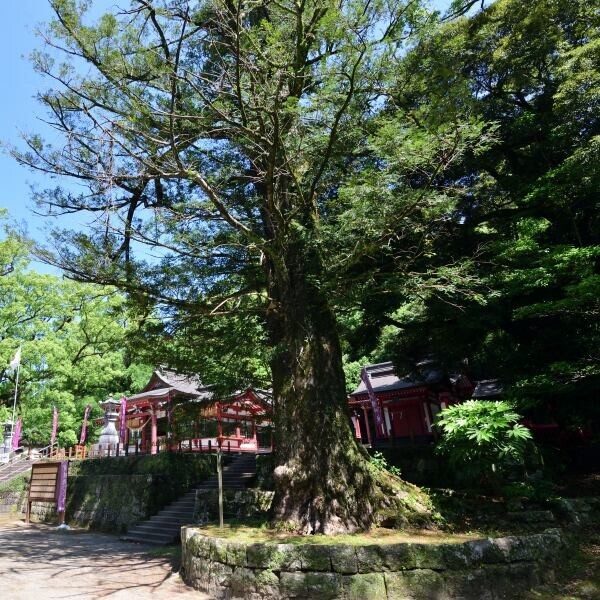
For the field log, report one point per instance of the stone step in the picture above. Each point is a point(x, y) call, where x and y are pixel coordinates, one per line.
point(152, 529)
point(163, 528)
point(175, 513)
point(166, 519)
point(146, 538)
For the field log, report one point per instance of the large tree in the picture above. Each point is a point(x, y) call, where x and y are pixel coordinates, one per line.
point(217, 135)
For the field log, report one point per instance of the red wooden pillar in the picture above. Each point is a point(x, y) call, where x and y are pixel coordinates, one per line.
point(367, 424)
point(154, 436)
point(145, 437)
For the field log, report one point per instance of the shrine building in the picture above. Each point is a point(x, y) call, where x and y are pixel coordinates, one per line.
point(176, 412)
point(408, 404)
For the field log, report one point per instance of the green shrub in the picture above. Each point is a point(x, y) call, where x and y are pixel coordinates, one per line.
point(379, 461)
point(19, 483)
point(483, 439)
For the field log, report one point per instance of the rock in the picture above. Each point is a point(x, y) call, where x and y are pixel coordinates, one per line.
point(364, 586)
point(293, 585)
point(418, 584)
point(531, 516)
point(370, 558)
point(344, 559)
point(273, 556)
point(314, 557)
point(324, 586)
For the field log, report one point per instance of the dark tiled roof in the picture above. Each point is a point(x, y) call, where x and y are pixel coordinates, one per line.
point(383, 379)
point(488, 388)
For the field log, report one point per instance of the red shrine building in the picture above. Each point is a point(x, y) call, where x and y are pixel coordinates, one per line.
point(177, 412)
point(408, 404)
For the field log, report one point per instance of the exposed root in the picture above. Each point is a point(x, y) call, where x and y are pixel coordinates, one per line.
point(353, 499)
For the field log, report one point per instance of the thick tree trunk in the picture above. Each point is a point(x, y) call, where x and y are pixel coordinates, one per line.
point(324, 481)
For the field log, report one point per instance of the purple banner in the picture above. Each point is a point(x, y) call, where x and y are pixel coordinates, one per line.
point(16, 438)
point(123, 431)
point(377, 414)
point(61, 486)
point(84, 427)
point(54, 426)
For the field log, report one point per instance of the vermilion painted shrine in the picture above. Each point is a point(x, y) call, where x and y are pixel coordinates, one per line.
point(178, 413)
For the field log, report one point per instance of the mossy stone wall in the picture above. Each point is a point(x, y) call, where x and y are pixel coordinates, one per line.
point(237, 504)
point(484, 569)
point(112, 494)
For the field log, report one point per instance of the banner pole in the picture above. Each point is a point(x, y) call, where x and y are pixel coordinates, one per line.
point(12, 426)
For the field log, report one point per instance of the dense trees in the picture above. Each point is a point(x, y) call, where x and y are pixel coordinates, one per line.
point(74, 347)
point(526, 227)
point(329, 178)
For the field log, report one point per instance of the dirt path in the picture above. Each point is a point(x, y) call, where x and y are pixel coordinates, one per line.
point(38, 562)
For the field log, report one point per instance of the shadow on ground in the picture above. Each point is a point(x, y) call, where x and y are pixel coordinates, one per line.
point(37, 559)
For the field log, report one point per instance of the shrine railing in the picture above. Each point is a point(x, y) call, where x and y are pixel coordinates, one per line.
point(202, 445)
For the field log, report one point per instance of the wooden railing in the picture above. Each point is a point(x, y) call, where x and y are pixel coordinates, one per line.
point(210, 445)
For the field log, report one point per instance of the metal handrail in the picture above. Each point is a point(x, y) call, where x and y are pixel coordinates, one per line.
point(12, 460)
point(46, 451)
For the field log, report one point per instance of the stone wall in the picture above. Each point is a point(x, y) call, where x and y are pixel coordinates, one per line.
point(486, 569)
point(11, 502)
point(112, 494)
point(237, 504)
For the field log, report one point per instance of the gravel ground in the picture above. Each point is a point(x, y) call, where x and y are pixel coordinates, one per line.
point(38, 562)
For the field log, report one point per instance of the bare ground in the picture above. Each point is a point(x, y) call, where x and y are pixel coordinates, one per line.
point(37, 562)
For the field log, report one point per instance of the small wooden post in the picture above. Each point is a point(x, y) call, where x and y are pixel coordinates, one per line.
point(220, 480)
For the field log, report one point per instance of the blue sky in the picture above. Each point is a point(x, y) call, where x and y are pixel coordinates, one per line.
point(19, 110)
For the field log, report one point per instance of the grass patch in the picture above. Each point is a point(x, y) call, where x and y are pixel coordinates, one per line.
point(244, 532)
point(18, 483)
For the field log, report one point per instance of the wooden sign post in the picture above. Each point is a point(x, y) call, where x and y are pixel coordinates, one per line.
point(44, 485)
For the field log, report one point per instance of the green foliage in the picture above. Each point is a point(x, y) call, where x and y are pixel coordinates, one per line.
point(379, 461)
point(19, 483)
point(75, 350)
point(482, 438)
point(507, 272)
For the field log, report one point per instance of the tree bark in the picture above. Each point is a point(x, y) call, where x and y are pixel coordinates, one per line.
point(324, 482)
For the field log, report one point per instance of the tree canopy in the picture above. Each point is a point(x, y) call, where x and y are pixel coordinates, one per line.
point(334, 179)
point(74, 348)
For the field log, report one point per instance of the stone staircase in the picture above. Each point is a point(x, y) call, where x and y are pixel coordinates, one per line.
point(164, 527)
point(14, 468)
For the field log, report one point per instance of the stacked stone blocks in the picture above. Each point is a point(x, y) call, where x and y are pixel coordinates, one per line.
point(487, 569)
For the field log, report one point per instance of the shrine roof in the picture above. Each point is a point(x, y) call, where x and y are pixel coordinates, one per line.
point(488, 388)
point(384, 379)
point(166, 381)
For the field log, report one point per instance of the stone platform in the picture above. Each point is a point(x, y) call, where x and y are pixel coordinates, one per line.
point(486, 569)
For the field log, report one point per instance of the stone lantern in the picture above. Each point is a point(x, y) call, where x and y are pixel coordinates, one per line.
point(109, 436)
point(7, 441)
